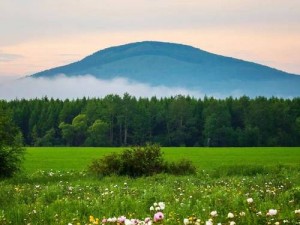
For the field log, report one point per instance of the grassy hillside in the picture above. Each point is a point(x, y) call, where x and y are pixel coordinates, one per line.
point(69, 158)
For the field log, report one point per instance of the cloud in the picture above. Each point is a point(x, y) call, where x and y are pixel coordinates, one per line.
point(63, 87)
point(6, 57)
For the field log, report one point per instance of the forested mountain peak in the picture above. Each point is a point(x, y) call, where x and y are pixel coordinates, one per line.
point(177, 65)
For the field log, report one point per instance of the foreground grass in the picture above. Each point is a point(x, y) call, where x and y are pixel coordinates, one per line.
point(77, 159)
point(56, 190)
point(71, 197)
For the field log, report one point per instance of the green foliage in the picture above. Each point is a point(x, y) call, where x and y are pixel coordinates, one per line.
point(98, 134)
point(182, 167)
point(139, 161)
point(11, 150)
point(108, 165)
point(176, 121)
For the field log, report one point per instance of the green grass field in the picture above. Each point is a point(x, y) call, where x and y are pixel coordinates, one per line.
point(55, 189)
point(77, 159)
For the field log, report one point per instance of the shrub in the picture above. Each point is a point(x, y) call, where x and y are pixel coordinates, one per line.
point(108, 165)
point(11, 150)
point(142, 161)
point(139, 161)
point(182, 167)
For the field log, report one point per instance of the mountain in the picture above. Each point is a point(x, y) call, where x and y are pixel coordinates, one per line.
point(177, 65)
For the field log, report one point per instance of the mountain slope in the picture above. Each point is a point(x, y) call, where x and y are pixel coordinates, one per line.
point(159, 63)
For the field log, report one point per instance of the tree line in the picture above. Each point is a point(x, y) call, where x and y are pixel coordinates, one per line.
point(174, 121)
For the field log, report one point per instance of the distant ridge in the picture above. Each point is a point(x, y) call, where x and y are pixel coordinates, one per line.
point(178, 65)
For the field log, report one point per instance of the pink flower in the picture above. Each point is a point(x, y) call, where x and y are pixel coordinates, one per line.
point(147, 219)
point(158, 216)
point(121, 219)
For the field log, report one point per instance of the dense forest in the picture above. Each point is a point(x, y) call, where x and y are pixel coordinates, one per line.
point(173, 121)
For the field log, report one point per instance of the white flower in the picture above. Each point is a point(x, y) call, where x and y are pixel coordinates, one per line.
point(230, 215)
point(259, 213)
point(151, 208)
point(162, 205)
point(157, 208)
point(69, 224)
point(272, 212)
point(155, 204)
point(128, 222)
point(277, 223)
point(242, 214)
point(209, 222)
point(232, 223)
point(250, 200)
point(214, 213)
point(297, 211)
point(186, 221)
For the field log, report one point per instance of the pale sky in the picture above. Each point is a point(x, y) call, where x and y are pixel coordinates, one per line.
point(40, 34)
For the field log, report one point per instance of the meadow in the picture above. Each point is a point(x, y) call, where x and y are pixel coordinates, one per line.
point(232, 186)
point(78, 158)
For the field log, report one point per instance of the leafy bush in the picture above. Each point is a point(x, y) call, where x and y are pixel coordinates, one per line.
point(108, 165)
point(11, 150)
point(182, 167)
point(139, 161)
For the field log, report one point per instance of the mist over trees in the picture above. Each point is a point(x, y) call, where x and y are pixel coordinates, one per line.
point(174, 121)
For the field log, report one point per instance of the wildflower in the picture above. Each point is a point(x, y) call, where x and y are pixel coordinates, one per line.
point(242, 214)
point(277, 223)
point(128, 222)
point(209, 222)
point(214, 213)
point(151, 208)
point(112, 220)
point(297, 211)
point(161, 205)
point(232, 223)
point(230, 215)
point(92, 219)
point(186, 221)
point(148, 221)
point(135, 221)
point(259, 213)
point(272, 212)
point(250, 200)
point(121, 219)
point(158, 216)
